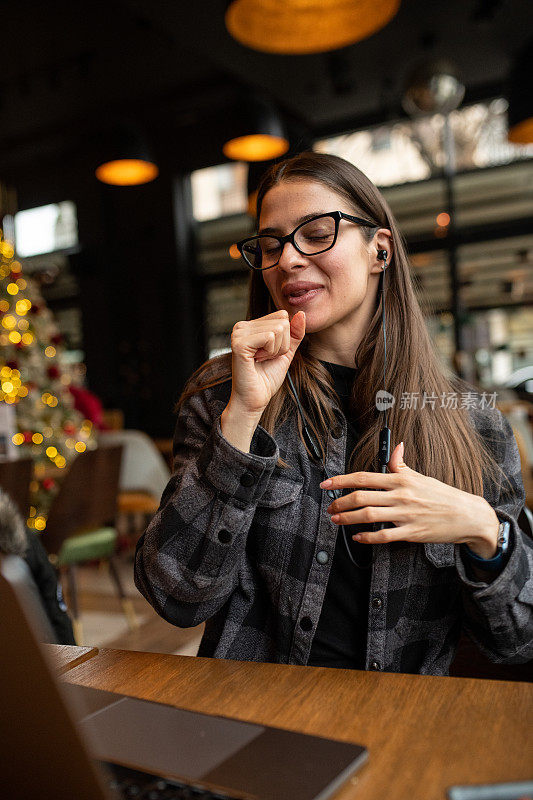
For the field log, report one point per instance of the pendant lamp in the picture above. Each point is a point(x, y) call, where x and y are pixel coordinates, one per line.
point(306, 26)
point(126, 159)
point(433, 87)
point(520, 112)
point(260, 135)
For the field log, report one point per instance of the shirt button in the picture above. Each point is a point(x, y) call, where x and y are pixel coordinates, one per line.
point(322, 557)
point(377, 602)
point(375, 665)
point(247, 479)
point(333, 493)
point(224, 536)
point(306, 623)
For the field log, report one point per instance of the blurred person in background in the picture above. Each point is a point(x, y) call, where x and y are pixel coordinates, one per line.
point(17, 540)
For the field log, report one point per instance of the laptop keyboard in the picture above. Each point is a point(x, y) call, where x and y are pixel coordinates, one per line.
point(131, 784)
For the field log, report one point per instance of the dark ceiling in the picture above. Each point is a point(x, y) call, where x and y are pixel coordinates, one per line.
point(67, 67)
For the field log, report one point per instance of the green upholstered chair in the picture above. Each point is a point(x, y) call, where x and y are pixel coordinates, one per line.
point(81, 523)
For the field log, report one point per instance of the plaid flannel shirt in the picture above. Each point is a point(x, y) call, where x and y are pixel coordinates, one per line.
point(236, 538)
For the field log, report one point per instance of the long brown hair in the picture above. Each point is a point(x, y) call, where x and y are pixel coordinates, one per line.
point(439, 441)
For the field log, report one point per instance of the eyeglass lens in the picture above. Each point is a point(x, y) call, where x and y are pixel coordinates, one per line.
point(315, 236)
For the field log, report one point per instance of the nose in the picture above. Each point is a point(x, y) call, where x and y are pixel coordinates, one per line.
point(290, 258)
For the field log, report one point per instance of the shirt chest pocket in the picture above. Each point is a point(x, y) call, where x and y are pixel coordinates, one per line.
point(276, 521)
point(440, 554)
point(430, 592)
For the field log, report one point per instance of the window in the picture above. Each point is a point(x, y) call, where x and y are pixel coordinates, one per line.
point(227, 302)
point(483, 197)
point(412, 150)
point(44, 240)
point(219, 191)
point(496, 290)
point(46, 229)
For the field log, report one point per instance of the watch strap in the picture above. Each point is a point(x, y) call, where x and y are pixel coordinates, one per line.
point(496, 562)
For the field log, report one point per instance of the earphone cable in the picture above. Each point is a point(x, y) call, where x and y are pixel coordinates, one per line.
point(316, 452)
point(384, 330)
point(310, 439)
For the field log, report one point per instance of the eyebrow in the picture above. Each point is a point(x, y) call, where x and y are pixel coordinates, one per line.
point(299, 221)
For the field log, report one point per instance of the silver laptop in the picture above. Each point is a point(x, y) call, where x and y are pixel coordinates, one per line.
point(65, 742)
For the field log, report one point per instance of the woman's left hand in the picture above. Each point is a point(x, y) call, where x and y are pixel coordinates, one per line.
point(423, 509)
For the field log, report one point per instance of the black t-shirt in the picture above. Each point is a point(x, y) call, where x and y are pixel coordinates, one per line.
point(340, 638)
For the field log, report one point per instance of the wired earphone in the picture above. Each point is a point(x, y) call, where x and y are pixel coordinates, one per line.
point(384, 434)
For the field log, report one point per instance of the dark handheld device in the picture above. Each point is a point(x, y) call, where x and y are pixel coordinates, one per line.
point(384, 449)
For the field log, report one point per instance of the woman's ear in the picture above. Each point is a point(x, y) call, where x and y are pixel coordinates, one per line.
point(381, 244)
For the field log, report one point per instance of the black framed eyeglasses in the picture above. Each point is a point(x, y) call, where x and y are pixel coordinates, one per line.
point(315, 235)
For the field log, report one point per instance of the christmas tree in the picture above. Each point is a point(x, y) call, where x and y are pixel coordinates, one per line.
point(34, 385)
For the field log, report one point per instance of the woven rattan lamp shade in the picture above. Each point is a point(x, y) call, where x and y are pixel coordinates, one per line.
point(306, 26)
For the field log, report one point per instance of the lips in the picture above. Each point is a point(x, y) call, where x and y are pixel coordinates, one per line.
point(299, 288)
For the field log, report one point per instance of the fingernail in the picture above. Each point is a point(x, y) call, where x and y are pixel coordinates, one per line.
point(325, 484)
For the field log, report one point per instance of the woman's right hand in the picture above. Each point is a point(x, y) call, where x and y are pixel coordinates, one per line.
point(262, 351)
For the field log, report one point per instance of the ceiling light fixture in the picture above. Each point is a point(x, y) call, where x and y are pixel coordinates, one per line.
point(261, 135)
point(127, 172)
point(433, 87)
point(127, 160)
point(306, 26)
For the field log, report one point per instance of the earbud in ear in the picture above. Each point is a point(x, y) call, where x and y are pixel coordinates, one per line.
point(382, 256)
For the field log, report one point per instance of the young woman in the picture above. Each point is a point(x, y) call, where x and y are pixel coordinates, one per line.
point(372, 569)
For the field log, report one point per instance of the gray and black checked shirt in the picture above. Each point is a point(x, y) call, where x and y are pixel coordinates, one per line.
point(236, 543)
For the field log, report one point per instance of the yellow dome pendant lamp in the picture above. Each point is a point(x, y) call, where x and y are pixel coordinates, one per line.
point(261, 136)
point(127, 172)
point(127, 160)
point(297, 27)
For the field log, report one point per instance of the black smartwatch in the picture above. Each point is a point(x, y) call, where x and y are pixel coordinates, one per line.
point(495, 563)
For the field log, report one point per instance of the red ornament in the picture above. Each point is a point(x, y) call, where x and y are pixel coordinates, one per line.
point(27, 436)
point(48, 483)
point(53, 373)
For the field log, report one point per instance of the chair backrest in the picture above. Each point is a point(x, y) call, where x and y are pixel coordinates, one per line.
point(15, 479)
point(143, 467)
point(87, 498)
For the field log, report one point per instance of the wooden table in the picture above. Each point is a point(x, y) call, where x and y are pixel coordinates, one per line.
point(423, 733)
point(66, 656)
